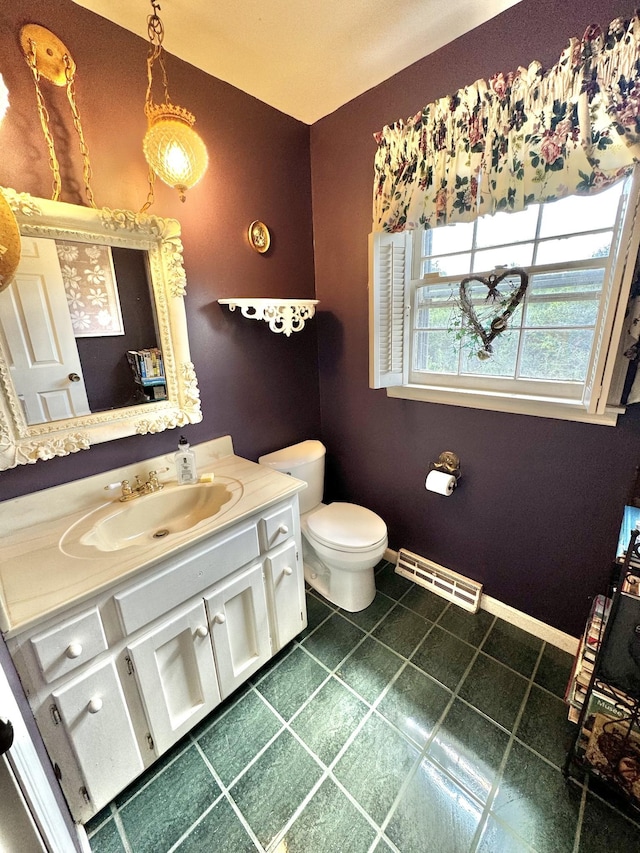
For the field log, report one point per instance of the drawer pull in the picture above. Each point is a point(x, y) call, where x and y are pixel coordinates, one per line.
point(283, 529)
point(287, 570)
point(220, 618)
point(202, 631)
point(73, 650)
point(95, 705)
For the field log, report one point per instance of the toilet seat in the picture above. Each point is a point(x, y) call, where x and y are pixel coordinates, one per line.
point(346, 527)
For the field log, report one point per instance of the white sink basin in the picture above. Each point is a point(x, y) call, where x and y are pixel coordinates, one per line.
point(150, 518)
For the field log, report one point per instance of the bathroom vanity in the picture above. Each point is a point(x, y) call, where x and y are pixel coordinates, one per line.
point(125, 639)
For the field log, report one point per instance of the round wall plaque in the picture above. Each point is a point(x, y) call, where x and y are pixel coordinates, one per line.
point(259, 236)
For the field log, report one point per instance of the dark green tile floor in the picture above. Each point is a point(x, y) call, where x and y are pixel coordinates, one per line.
point(411, 726)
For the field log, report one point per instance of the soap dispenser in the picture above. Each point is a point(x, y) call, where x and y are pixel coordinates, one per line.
point(185, 463)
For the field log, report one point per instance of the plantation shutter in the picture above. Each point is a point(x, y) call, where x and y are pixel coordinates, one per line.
point(613, 302)
point(389, 277)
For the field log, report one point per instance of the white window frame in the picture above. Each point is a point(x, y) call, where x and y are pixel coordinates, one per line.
point(391, 287)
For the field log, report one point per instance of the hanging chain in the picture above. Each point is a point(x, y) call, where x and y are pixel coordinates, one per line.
point(155, 31)
point(84, 151)
point(30, 57)
point(151, 196)
point(44, 121)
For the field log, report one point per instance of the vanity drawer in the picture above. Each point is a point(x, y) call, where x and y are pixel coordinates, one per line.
point(69, 645)
point(189, 575)
point(276, 527)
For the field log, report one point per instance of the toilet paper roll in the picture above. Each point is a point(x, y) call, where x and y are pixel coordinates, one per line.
point(439, 482)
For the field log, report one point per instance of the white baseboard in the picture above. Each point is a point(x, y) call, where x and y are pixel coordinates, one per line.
point(516, 617)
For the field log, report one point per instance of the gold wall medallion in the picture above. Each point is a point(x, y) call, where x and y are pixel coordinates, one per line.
point(259, 237)
point(48, 53)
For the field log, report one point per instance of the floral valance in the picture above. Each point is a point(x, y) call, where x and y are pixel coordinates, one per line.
point(530, 136)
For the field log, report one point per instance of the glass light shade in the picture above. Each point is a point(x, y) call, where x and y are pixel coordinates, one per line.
point(173, 149)
point(4, 98)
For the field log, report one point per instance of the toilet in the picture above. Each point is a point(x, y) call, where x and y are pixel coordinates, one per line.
point(341, 542)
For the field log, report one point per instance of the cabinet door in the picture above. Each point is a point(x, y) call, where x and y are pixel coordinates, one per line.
point(285, 582)
point(94, 713)
point(176, 673)
point(239, 628)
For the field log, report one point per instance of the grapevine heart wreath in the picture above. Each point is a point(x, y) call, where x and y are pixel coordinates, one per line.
point(507, 304)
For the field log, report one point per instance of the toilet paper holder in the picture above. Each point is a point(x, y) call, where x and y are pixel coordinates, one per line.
point(449, 463)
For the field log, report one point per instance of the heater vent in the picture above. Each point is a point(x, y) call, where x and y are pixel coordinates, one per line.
point(450, 585)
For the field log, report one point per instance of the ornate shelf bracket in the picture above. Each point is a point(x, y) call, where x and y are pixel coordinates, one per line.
point(282, 315)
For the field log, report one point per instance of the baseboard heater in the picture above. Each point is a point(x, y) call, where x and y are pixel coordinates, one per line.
point(450, 585)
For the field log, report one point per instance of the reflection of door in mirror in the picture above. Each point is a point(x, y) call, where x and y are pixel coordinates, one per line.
point(43, 356)
point(61, 368)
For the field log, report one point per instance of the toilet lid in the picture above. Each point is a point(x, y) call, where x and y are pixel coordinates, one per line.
point(346, 526)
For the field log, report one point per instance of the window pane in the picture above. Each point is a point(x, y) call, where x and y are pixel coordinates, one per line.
point(564, 299)
point(436, 352)
point(568, 249)
point(566, 281)
point(581, 213)
point(502, 361)
point(506, 256)
point(562, 355)
point(450, 265)
point(562, 313)
point(448, 239)
point(433, 316)
point(504, 228)
point(434, 306)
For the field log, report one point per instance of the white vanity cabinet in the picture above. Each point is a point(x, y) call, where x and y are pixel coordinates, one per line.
point(176, 674)
point(92, 708)
point(116, 680)
point(187, 663)
point(239, 628)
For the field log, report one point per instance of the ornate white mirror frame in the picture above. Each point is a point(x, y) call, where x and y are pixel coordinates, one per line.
point(22, 444)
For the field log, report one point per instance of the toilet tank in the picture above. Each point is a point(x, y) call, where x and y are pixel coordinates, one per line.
point(305, 461)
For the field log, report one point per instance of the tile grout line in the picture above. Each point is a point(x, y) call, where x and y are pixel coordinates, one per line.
point(498, 778)
point(422, 754)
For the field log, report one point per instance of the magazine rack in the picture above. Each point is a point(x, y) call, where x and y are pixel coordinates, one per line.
point(607, 742)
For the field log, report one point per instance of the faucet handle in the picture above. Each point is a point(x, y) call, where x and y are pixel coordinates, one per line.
point(154, 483)
point(124, 485)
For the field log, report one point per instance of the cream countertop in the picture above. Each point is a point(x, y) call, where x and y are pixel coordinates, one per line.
point(38, 579)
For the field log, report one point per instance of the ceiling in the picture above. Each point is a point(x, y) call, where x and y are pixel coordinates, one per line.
point(305, 58)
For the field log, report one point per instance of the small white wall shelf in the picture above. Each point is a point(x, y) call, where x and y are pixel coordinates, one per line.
point(282, 315)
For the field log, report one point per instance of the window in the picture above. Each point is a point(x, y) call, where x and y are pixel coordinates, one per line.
point(558, 355)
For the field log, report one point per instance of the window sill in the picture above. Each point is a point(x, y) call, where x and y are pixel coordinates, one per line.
point(566, 410)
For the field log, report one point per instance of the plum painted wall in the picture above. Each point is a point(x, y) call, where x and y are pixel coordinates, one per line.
point(536, 517)
point(259, 387)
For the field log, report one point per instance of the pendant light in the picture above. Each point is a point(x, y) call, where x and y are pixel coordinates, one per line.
point(172, 148)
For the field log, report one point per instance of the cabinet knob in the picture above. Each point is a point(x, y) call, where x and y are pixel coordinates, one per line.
point(220, 618)
point(287, 570)
point(74, 650)
point(202, 631)
point(94, 705)
point(283, 529)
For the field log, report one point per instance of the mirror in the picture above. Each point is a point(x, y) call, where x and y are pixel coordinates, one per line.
point(139, 308)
